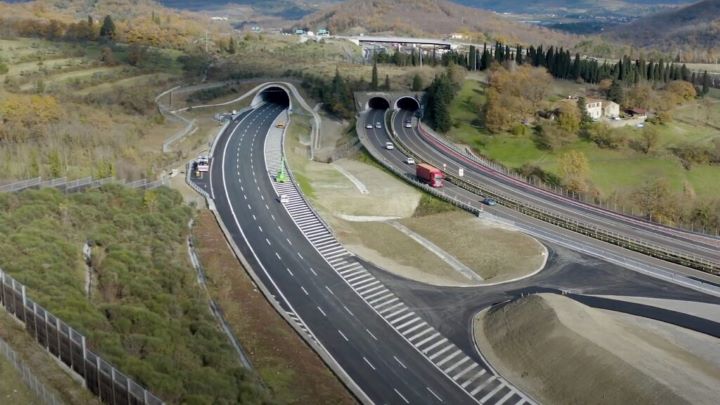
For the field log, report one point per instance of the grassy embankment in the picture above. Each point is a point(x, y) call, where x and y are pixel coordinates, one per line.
point(291, 370)
point(144, 311)
point(68, 113)
point(12, 388)
point(612, 171)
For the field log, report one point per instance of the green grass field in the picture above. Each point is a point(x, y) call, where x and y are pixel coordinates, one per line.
point(612, 170)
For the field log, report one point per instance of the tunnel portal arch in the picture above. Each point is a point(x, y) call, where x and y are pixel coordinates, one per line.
point(378, 103)
point(407, 103)
point(272, 93)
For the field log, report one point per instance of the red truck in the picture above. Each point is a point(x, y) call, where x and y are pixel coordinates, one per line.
point(429, 174)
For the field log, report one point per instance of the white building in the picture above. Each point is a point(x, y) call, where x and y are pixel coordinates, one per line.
point(597, 109)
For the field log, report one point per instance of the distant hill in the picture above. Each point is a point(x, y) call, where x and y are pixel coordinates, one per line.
point(429, 17)
point(553, 6)
point(692, 32)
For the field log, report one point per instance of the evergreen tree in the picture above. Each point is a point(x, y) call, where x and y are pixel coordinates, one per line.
point(575, 71)
point(584, 116)
point(232, 48)
point(374, 80)
point(387, 83)
point(615, 93)
point(705, 84)
point(472, 58)
point(417, 83)
point(485, 60)
point(107, 31)
point(519, 54)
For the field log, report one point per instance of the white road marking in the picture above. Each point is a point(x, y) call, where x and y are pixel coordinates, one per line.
point(399, 362)
point(321, 311)
point(348, 310)
point(401, 396)
point(434, 394)
point(329, 290)
point(343, 335)
point(254, 218)
point(313, 271)
point(368, 363)
point(370, 333)
point(268, 241)
point(260, 228)
point(300, 256)
point(304, 290)
point(289, 271)
point(288, 241)
point(278, 255)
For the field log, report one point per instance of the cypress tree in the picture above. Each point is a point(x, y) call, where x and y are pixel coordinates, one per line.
point(615, 93)
point(417, 83)
point(519, 54)
point(387, 82)
point(705, 84)
point(107, 31)
point(374, 79)
point(472, 58)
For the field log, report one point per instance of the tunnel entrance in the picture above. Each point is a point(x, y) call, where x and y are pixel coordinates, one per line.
point(378, 103)
point(275, 95)
point(407, 103)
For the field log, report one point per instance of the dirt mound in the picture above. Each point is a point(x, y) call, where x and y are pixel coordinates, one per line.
point(562, 352)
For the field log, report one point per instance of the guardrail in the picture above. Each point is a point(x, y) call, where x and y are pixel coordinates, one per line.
point(572, 224)
point(69, 186)
point(69, 347)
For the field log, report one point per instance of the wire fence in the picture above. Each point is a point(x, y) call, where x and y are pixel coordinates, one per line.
point(69, 346)
point(44, 394)
point(85, 183)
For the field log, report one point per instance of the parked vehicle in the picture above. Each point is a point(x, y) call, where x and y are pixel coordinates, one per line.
point(429, 174)
point(203, 164)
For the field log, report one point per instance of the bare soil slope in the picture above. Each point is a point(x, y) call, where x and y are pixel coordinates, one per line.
point(562, 352)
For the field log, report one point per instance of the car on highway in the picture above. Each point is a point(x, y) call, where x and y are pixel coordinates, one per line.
point(378, 125)
point(369, 126)
point(284, 199)
point(489, 201)
point(202, 164)
point(389, 146)
point(408, 123)
point(409, 160)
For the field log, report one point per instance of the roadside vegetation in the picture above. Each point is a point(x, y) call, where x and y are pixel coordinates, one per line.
point(143, 311)
point(664, 170)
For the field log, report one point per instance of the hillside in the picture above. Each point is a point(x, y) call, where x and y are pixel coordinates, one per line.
point(533, 6)
point(560, 351)
point(693, 32)
point(429, 17)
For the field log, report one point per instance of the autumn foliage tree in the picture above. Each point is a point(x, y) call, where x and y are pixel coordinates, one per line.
point(574, 171)
point(514, 95)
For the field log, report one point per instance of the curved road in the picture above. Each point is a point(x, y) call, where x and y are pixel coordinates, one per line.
point(434, 152)
point(376, 357)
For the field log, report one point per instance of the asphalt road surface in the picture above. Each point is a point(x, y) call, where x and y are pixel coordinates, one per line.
point(376, 357)
point(437, 154)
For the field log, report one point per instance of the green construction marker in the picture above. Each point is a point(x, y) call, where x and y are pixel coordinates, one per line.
point(281, 176)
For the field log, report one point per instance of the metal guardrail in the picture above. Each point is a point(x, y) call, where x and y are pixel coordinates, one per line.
point(573, 224)
point(79, 184)
point(33, 383)
point(69, 347)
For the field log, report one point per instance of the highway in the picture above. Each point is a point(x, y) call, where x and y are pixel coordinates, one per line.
point(317, 282)
point(436, 153)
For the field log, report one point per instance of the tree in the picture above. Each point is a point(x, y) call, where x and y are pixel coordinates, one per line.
point(705, 84)
point(136, 54)
point(649, 138)
point(568, 118)
point(656, 199)
point(374, 80)
point(387, 83)
point(615, 92)
point(584, 116)
point(574, 170)
point(417, 82)
point(107, 30)
point(232, 47)
point(107, 56)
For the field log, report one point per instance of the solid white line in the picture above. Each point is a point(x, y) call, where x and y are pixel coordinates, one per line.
point(506, 397)
point(370, 333)
point(436, 344)
point(493, 392)
point(374, 288)
point(439, 352)
point(419, 334)
point(414, 328)
point(343, 335)
point(401, 396)
point(457, 364)
point(321, 311)
point(396, 321)
point(398, 312)
point(375, 294)
point(462, 373)
point(434, 394)
point(473, 378)
point(408, 323)
point(368, 362)
point(448, 358)
point(399, 362)
point(389, 302)
point(364, 283)
point(483, 385)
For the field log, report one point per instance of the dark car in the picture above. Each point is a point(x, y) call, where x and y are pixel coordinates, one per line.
point(489, 201)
